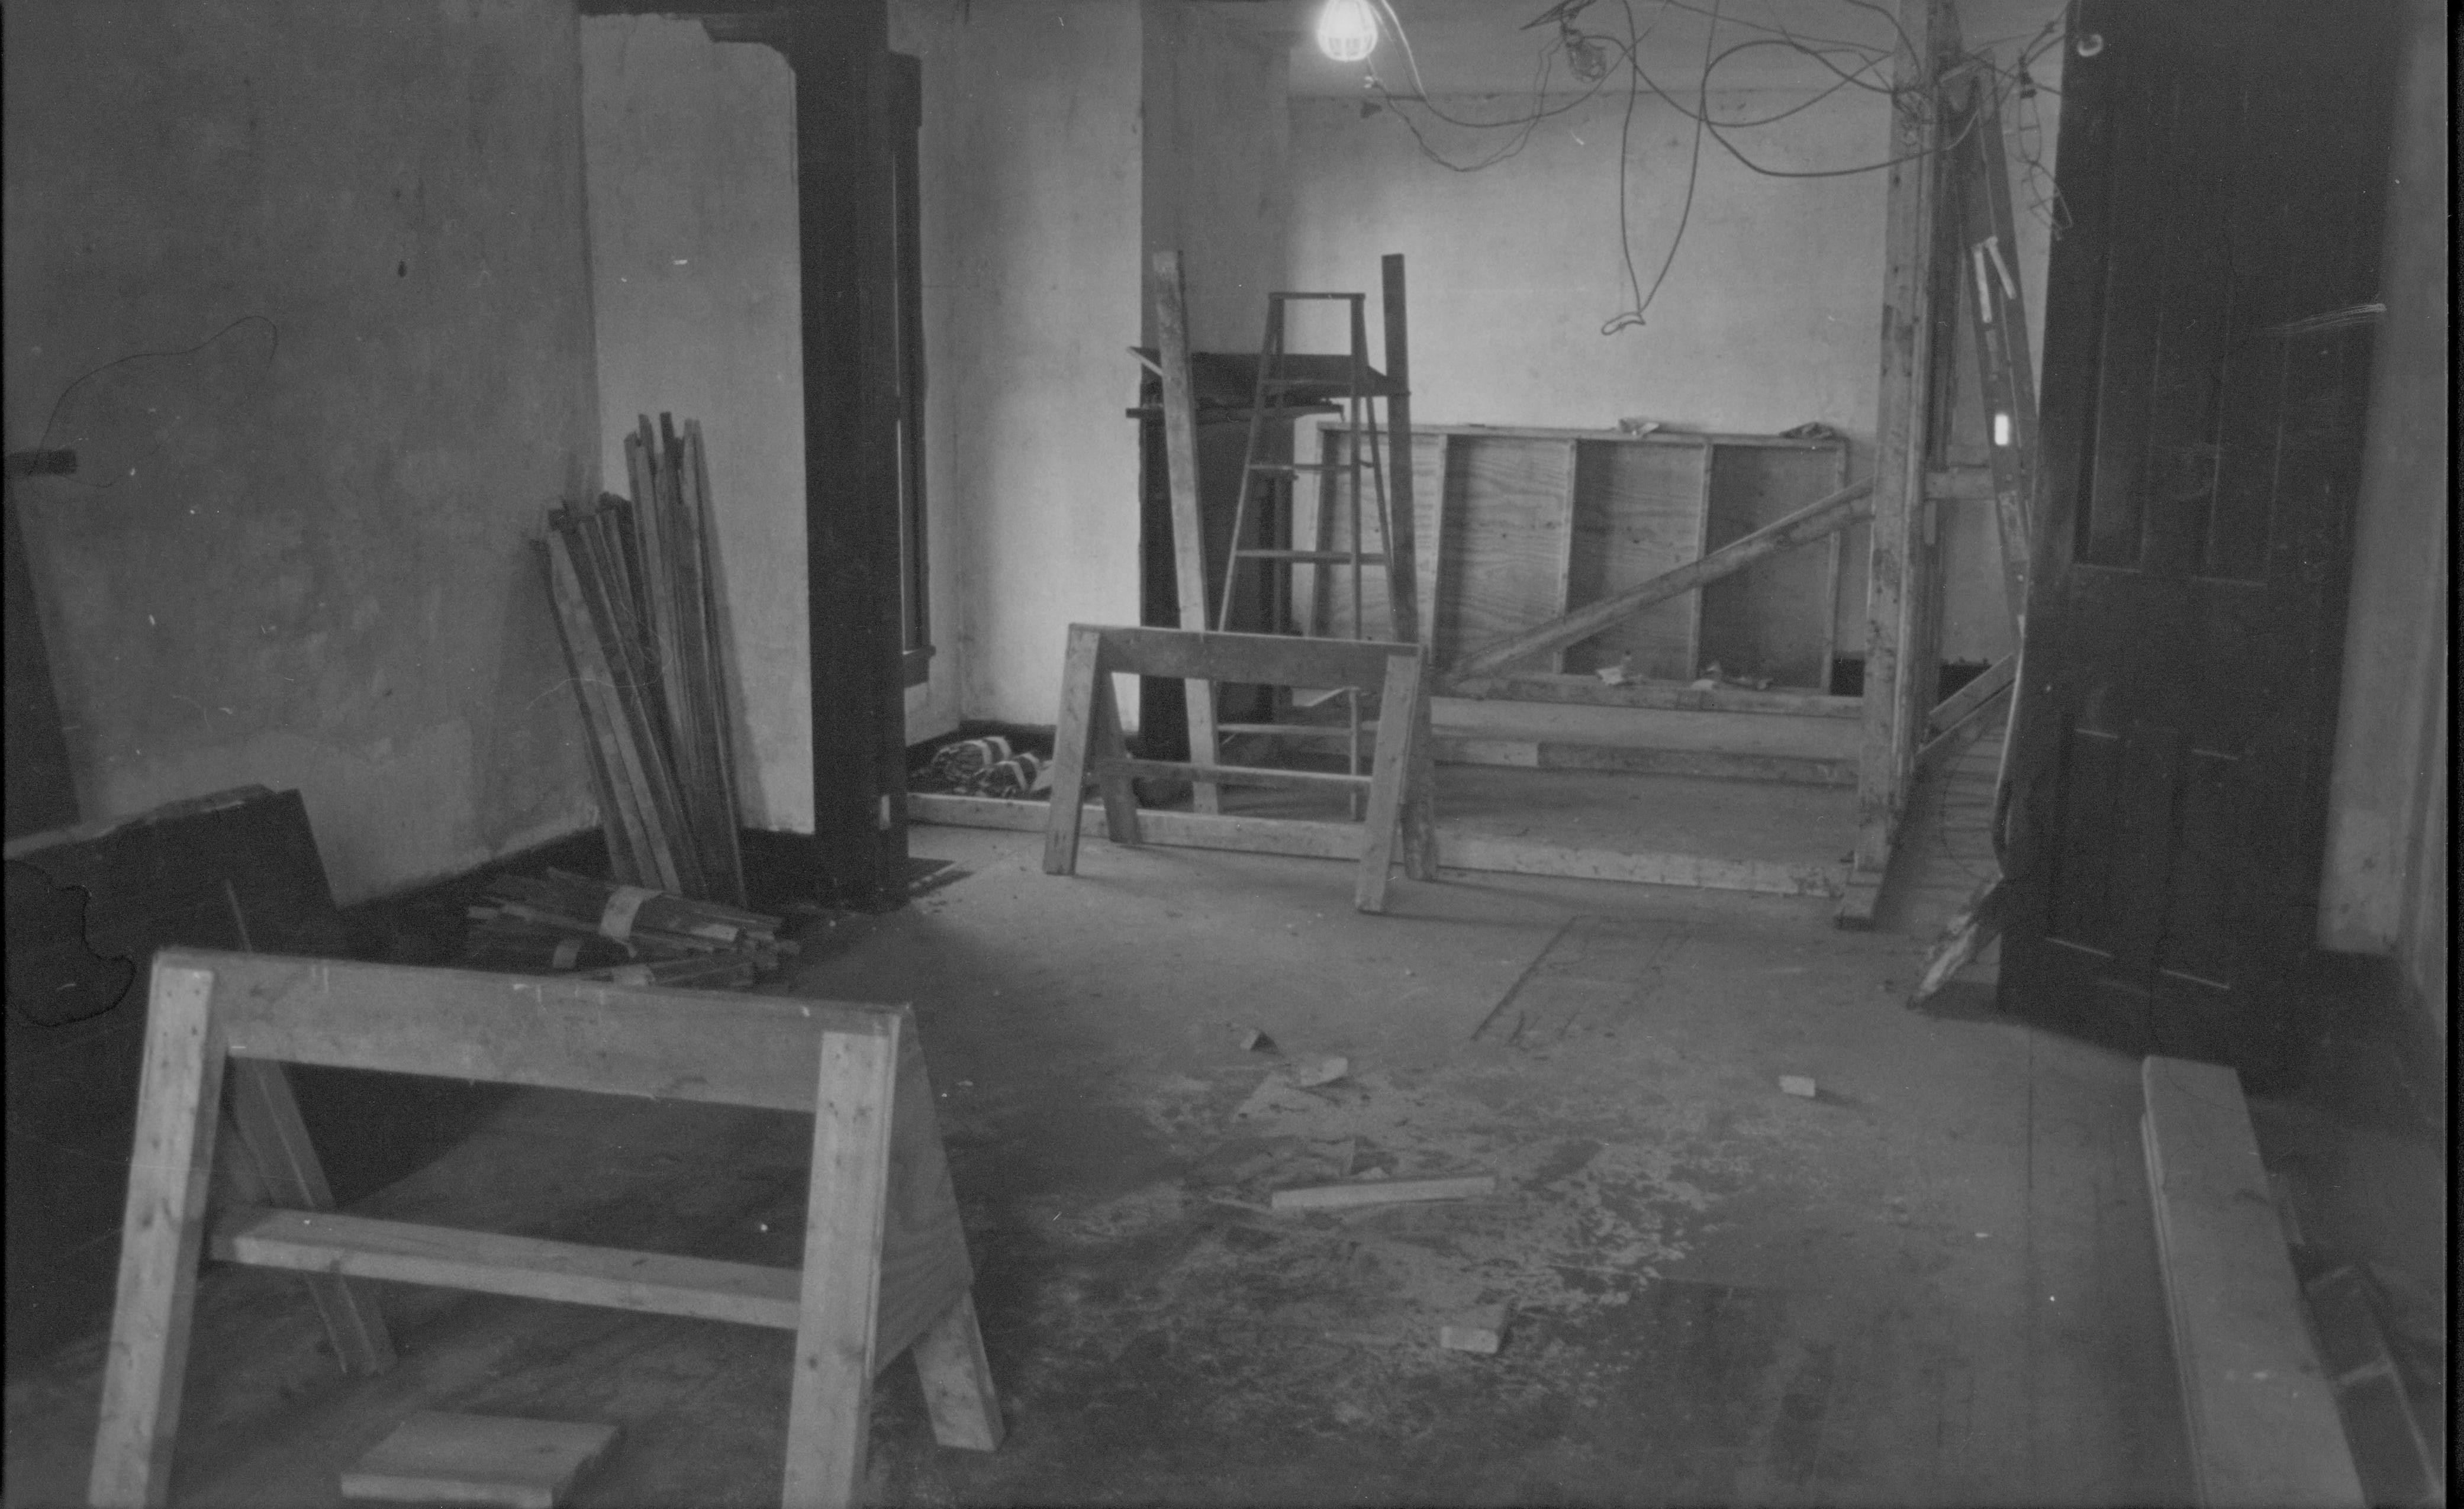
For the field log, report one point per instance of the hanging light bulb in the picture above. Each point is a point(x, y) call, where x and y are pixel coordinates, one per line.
point(1347, 30)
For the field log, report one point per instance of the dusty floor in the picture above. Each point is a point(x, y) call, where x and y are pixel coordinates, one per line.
point(1932, 1283)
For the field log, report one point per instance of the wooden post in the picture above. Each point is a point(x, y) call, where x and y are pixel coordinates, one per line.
point(1403, 571)
point(1897, 613)
point(846, 210)
point(1188, 515)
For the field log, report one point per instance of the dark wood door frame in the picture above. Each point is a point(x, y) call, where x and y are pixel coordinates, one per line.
point(846, 204)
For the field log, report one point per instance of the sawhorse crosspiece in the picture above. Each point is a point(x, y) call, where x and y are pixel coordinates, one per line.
point(885, 1261)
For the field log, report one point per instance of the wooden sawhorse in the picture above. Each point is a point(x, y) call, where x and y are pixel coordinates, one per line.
point(885, 1267)
point(1088, 740)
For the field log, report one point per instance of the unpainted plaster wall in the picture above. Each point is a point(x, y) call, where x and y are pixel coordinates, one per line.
point(297, 553)
point(1770, 316)
point(692, 152)
point(1032, 227)
point(2386, 886)
point(1215, 168)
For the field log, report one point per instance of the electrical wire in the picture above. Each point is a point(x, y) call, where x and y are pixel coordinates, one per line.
point(42, 442)
point(1631, 319)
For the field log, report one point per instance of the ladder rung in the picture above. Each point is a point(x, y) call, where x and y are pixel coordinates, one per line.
point(1291, 731)
point(1282, 467)
point(1324, 558)
point(1354, 298)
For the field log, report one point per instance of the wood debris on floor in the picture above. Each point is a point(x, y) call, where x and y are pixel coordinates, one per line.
point(627, 935)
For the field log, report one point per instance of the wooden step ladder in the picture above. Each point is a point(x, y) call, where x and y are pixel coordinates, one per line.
point(1270, 483)
point(1288, 383)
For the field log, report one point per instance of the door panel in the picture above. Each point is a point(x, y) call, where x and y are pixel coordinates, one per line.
point(2223, 165)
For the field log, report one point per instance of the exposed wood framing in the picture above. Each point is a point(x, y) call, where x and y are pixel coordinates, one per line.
point(1899, 581)
point(1402, 572)
point(1188, 520)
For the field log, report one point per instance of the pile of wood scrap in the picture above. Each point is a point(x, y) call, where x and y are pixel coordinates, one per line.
point(628, 934)
point(636, 603)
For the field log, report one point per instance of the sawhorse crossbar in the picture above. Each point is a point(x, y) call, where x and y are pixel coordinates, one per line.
point(885, 1264)
point(1090, 741)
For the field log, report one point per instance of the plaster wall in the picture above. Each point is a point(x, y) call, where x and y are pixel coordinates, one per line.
point(1770, 316)
point(692, 152)
point(2386, 886)
point(1033, 226)
point(1215, 169)
point(306, 288)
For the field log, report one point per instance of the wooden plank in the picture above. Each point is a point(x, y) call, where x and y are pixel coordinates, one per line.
point(1895, 607)
point(1826, 517)
point(1110, 757)
point(958, 1380)
point(1591, 692)
point(522, 1267)
point(179, 1109)
point(1509, 539)
point(268, 1122)
point(1639, 512)
point(1474, 851)
point(1824, 738)
point(1973, 698)
point(1279, 660)
point(1976, 923)
point(720, 1047)
point(1079, 673)
point(1399, 718)
point(594, 688)
point(1773, 622)
point(1406, 622)
point(725, 850)
point(1243, 775)
point(829, 1406)
point(1381, 1192)
point(1188, 521)
point(434, 1457)
point(1722, 764)
point(1456, 849)
point(2261, 1416)
point(629, 761)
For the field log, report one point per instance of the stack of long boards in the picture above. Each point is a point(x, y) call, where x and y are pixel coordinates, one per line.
point(637, 606)
point(2259, 1410)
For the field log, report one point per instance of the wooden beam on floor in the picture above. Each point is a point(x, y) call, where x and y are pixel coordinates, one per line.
point(1896, 615)
point(848, 211)
point(2260, 1410)
point(1457, 849)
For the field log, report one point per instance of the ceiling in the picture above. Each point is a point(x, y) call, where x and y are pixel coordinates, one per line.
point(1482, 47)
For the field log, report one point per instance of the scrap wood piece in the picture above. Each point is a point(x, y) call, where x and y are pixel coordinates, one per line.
point(1824, 517)
point(479, 1459)
point(1976, 923)
point(1383, 1192)
point(2259, 1408)
point(1481, 1331)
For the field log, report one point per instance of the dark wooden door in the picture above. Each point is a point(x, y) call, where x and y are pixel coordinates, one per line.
point(2205, 376)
